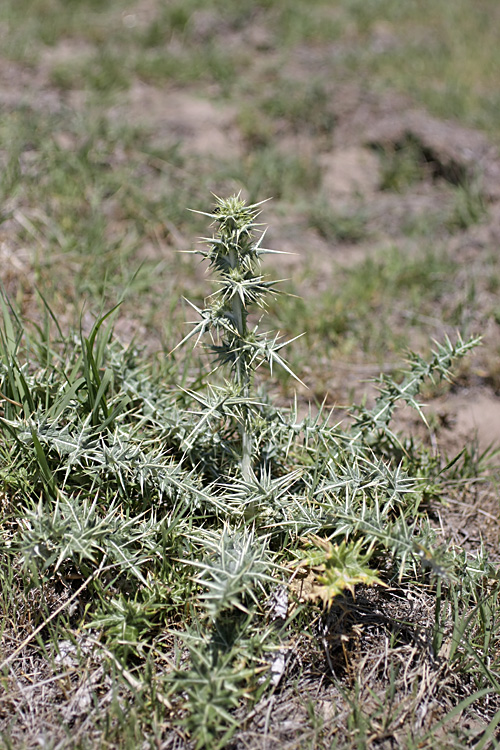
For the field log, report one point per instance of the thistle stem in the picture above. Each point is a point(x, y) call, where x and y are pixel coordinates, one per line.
point(244, 380)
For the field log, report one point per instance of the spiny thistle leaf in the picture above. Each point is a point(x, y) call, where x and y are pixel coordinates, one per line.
point(371, 424)
point(233, 578)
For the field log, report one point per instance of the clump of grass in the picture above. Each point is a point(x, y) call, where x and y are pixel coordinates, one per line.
point(182, 516)
point(337, 226)
point(204, 62)
point(302, 106)
point(104, 72)
point(360, 312)
point(277, 172)
point(402, 166)
point(469, 206)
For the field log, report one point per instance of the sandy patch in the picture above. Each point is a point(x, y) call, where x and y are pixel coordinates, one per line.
point(201, 126)
point(349, 172)
point(472, 414)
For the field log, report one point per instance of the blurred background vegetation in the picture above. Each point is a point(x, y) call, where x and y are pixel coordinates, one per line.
point(118, 116)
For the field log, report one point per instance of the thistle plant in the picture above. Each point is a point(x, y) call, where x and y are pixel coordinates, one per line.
point(235, 252)
point(184, 510)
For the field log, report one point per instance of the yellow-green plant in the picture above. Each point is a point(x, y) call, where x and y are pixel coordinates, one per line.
point(337, 567)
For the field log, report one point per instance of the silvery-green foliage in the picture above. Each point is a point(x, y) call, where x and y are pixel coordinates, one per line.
point(235, 571)
point(195, 495)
